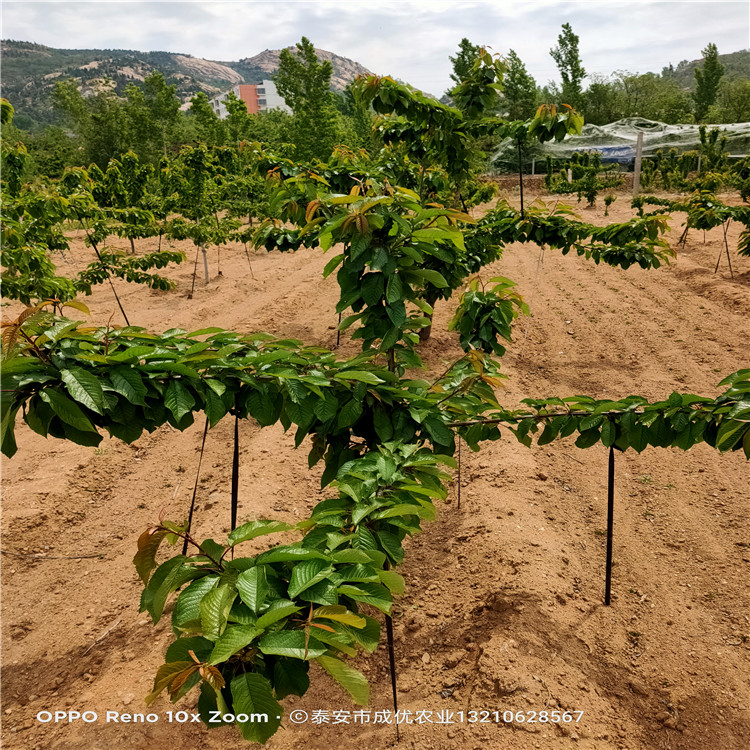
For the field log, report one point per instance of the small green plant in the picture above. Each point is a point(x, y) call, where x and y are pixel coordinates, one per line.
point(247, 628)
point(484, 315)
point(608, 201)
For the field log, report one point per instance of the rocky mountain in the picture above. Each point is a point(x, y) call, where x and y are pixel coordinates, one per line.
point(30, 71)
point(344, 69)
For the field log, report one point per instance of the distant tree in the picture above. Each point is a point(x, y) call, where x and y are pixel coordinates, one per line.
point(464, 60)
point(305, 83)
point(655, 98)
point(153, 113)
point(568, 61)
point(209, 128)
point(99, 120)
point(668, 71)
point(707, 81)
point(356, 119)
point(732, 102)
point(519, 89)
point(604, 102)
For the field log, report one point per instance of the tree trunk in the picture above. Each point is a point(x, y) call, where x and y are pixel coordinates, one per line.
point(205, 262)
point(426, 332)
point(132, 246)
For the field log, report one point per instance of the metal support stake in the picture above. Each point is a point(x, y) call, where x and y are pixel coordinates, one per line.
point(458, 504)
point(392, 662)
point(235, 471)
point(610, 524)
point(520, 175)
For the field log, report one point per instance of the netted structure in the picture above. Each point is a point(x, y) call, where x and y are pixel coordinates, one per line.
point(616, 142)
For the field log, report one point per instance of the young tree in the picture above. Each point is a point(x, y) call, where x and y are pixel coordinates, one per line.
point(305, 83)
point(707, 81)
point(570, 66)
point(603, 101)
point(464, 60)
point(100, 120)
point(732, 101)
point(208, 126)
point(153, 112)
point(519, 89)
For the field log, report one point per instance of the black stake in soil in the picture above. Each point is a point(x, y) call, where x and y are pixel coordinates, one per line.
point(392, 661)
point(195, 488)
point(338, 332)
point(520, 175)
point(610, 524)
point(235, 472)
point(458, 503)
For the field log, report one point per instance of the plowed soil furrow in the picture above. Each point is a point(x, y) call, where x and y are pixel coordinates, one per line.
point(503, 609)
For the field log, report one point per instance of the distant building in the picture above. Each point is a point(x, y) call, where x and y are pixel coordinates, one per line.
point(257, 97)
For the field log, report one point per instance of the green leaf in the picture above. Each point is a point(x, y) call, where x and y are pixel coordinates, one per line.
point(7, 430)
point(306, 574)
point(291, 643)
point(287, 553)
point(433, 277)
point(352, 680)
point(351, 556)
point(254, 529)
point(730, 433)
point(332, 264)
point(253, 587)
point(350, 413)
point(214, 610)
point(180, 649)
point(394, 289)
point(68, 411)
point(234, 639)
point(84, 387)
point(609, 433)
point(394, 581)
point(588, 438)
point(276, 614)
point(361, 375)
point(178, 399)
point(369, 593)
point(187, 607)
point(290, 677)
point(252, 695)
point(168, 577)
point(128, 382)
point(215, 408)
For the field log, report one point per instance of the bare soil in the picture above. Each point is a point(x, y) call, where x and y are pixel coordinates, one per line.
point(503, 610)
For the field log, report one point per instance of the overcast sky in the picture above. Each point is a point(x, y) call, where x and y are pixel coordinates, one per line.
point(409, 39)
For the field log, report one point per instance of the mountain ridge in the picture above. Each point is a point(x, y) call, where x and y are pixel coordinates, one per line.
point(30, 71)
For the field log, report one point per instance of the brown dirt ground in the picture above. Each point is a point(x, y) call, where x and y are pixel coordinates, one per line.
point(503, 609)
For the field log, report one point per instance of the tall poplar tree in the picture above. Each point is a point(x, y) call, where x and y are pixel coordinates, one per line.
point(568, 61)
point(519, 89)
point(305, 83)
point(707, 81)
